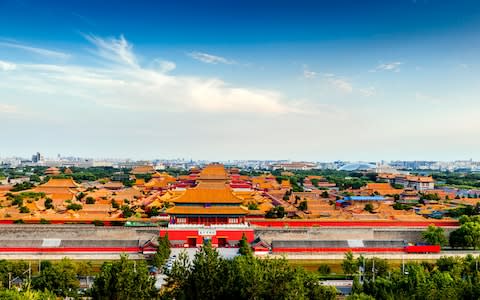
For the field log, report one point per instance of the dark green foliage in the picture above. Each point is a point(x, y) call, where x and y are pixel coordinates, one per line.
point(324, 269)
point(59, 278)
point(244, 246)
point(48, 203)
point(115, 204)
point(245, 277)
point(127, 211)
point(303, 205)
point(253, 206)
point(349, 265)
point(400, 206)
point(368, 207)
point(44, 221)
point(80, 196)
point(449, 278)
point(24, 210)
point(124, 279)
point(74, 206)
point(434, 235)
point(16, 268)
point(325, 194)
point(163, 251)
point(90, 200)
point(17, 200)
point(98, 223)
point(275, 212)
point(430, 197)
point(155, 211)
point(22, 186)
point(468, 235)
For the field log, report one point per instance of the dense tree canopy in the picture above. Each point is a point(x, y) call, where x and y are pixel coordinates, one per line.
point(209, 276)
point(59, 278)
point(123, 280)
point(434, 235)
point(163, 251)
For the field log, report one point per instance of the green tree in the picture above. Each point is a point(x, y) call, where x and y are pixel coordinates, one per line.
point(349, 265)
point(324, 269)
point(163, 251)
point(124, 279)
point(244, 246)
point(434, 235)
point(89, 200)
point(48, 203)
point(303, 205)
point(74, 206)
point(27, 294)
point(59, 278)
point(368, 207)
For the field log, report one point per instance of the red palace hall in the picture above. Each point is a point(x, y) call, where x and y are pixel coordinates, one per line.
point(209, 211)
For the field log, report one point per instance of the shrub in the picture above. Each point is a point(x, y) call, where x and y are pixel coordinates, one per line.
point(324, 269)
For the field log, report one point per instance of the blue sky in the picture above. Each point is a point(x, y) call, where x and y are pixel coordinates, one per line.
point(300, 80)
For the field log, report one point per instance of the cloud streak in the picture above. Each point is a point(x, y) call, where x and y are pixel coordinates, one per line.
point(36, 50)
point(210, 58)
point(7, 66)
point(392, 67)
point(114, 50)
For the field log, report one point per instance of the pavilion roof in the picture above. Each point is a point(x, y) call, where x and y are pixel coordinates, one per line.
point(60, 183)
point(213, 171)
point(208, 193)
point(213, 210)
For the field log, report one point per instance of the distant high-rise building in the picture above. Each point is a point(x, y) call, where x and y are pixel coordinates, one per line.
point(37, 157)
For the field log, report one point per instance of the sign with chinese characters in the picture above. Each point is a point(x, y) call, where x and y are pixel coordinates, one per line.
point(207, 232)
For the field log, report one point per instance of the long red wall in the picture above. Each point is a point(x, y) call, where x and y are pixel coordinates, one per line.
point(72, 250)
point(313, 223)
point(342, 250)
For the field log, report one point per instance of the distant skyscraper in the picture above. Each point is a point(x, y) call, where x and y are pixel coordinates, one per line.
point(37, 157)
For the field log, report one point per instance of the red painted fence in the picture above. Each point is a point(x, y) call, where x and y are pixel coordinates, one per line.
point(317, 223)
point(71, 250)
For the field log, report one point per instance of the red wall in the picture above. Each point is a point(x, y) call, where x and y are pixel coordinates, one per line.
point(310, 223)
point(423, 249)
point(342, 250)
point(73, 250)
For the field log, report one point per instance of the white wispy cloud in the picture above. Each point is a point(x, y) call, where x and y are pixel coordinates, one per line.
point(307, 73)
point(7, 66)
point(392, 66)
point(164, 66)
point(368, 92)
point(113, 49)
point(36, 50)
point(210, 58)
point(124, 83)
point(341, 84)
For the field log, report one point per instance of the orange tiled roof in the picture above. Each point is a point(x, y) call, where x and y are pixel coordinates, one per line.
point(208, 193)
point(143, 170)
point(214, 210)
point(64, 183)
point(213, 171)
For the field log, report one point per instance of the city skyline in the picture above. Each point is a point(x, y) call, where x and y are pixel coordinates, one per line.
point(312, 81)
